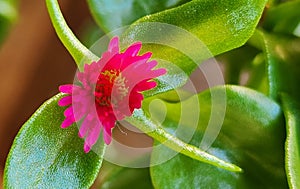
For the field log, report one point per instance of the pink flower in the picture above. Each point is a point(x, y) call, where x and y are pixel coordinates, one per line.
point(107, 91)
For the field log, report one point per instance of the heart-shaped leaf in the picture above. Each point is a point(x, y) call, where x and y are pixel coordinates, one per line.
point(291, 109)
point(44, 155)
point(252, 136)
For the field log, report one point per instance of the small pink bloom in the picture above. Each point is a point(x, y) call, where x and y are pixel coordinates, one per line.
point(107, 91)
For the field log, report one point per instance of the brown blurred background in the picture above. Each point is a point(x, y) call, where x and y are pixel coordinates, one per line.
point(33, 63)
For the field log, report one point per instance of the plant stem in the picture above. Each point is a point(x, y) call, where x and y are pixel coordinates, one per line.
point(78, 51)
point(142, 122)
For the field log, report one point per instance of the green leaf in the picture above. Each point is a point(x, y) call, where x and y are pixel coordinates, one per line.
point(44, 155)
point(283, 69)
point(252, 136)
point(230, 23)
point(189, 28)
point(116, 177)
point(258, 79)
point(114, 14)
point(291, 108)
point(183, 37)
point(284, 18)
point(8, 15)
point(143, 122)
point(282, 58)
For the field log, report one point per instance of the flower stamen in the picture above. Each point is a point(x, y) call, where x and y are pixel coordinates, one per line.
point(114, 91)
point(104, 88)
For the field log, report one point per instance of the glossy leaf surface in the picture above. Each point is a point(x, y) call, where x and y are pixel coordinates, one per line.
point(291, 109)
point(181, 36)
point(282, 54)
point(189, 34)
point(44, 155)
point(145, 123)
point(230, 22)
point(282, 57)
point(252, 136)
point(114, 14)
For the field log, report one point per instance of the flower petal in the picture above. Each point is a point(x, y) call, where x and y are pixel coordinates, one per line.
point(66, 88)
point(134, 74)
point(86, 147)
point(133, 50)
point(69, 112)
point(158, 72)
point(135, 101)
point(67, 122)
point(65, 101)
point(79, 113)
point(107, 136)
point(93, 136)
point(113, 46)
point(145, 85)
point(147, 55)
point(126, 61)
point(87, 123)
point(152, 64)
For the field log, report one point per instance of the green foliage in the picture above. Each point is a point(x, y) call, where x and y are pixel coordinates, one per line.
point(195, 33)
point(142, 121)
point(252, 136)
point(220, 25)
point(291, 108)
point(46, 156)
point(282, 62)
point(115, 177)
point(284, 18)
point(8, 15)
point(114, 14)
point(237, 61)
